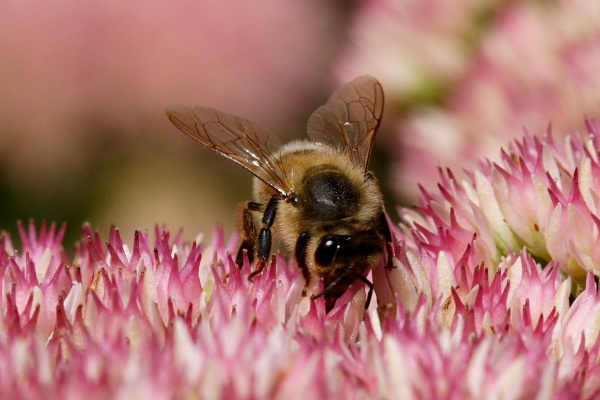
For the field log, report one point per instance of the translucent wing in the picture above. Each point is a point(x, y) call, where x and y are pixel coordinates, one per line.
point(240, 140)
point(349, 119)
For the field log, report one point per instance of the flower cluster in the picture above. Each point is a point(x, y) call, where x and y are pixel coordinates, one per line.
point(492, 295)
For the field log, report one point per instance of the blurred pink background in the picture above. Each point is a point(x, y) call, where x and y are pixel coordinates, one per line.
point(83, 136)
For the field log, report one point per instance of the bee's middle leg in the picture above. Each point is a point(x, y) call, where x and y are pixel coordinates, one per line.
point(300, 254)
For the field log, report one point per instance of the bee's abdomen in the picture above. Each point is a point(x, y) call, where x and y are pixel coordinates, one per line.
point(328, 194)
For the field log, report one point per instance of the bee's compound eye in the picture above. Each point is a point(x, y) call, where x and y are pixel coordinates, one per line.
point(327, 249)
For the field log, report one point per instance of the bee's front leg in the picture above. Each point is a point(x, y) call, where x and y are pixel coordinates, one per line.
point(263, 244)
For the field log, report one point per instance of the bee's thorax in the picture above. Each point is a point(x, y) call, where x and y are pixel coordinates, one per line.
point(328, 194)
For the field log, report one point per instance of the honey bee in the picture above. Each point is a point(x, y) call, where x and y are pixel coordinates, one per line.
point(317, 195)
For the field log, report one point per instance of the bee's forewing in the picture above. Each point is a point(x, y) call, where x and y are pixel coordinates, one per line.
point(349, 119)
point(240, 140)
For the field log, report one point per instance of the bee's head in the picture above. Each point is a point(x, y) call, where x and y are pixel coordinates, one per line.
point(335, 254)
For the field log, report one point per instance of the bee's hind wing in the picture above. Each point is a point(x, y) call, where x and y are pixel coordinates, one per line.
point(348, 121)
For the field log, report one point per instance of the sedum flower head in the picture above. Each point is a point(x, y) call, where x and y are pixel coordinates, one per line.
point(492, 295)
point(541, 198)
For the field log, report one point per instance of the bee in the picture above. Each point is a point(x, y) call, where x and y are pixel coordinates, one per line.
point(317, 195)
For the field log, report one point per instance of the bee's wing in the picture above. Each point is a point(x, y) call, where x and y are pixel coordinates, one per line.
point(240, 140)
point(349, 119)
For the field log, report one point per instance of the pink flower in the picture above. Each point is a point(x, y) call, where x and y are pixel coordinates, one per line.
point(534, 200)
point(478, 303)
